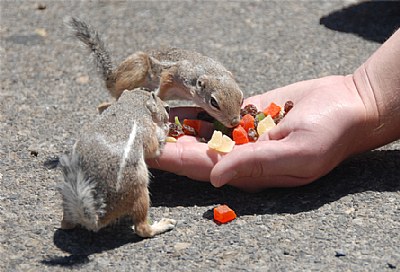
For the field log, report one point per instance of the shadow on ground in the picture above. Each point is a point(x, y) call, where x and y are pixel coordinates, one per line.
point(373, 20)
point(372, 171)
point(81, 243)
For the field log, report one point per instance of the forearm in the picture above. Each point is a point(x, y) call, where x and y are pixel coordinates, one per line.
point(378, 84)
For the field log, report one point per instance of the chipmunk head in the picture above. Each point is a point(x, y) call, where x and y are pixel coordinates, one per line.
point(220, 96)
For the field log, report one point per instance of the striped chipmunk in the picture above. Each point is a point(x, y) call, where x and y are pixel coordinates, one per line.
point(105, 176)
point(172, 73)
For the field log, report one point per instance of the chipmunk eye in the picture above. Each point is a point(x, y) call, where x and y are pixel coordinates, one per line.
point(214, 103)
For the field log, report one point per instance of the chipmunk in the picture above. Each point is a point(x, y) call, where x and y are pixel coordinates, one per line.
point(172, 72)
point(106, 176)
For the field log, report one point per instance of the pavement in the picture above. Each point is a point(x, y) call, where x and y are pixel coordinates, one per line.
point(348, 220)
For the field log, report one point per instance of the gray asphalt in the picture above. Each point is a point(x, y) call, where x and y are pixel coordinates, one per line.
point(348, 220)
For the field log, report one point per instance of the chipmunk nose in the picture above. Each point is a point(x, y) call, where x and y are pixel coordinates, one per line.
point(235, 121)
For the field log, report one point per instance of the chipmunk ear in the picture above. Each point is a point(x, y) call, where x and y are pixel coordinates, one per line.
point(201, 81)
point(151, 103)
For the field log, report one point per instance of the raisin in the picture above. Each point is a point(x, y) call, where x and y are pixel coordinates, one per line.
point(253, 135)
point(243, 112)
point(251, 109)
point(188, 130)
point(288, 106)
point(175, 130)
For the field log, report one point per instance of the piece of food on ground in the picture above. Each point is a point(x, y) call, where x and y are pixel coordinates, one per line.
point(220, 142)
point(223, 214)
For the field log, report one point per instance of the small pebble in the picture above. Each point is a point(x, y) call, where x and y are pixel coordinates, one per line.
point(41, 6)
point(340, 254)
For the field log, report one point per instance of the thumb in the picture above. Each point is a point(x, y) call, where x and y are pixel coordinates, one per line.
point(244, 161)
point(252, 160)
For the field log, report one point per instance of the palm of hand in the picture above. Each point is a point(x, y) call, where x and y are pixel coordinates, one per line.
point(310, 141)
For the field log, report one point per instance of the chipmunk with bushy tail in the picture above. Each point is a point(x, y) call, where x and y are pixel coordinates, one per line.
point(105, 176)
point(173, 73)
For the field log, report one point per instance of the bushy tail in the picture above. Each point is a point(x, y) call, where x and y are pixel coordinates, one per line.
point(87, 35)
point(82, 203)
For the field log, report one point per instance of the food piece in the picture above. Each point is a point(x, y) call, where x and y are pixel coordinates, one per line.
point(195, 124)
point(252, 134)
point(188, 130)
point(265, 125)
point(243, 112)
point(288, 106)
point(223, 214)
point(239, 135)
point(220, 127)
point(170, 139)
point(175, 130)
point(216, 140)
point(177, 121)
point(272, 110)
point(249, 109)
point(221, 142)
point(247, 122)
point(260, 115)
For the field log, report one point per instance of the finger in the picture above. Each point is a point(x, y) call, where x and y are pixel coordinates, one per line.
point(188, 158)
point(257, 161)
point(253, 185)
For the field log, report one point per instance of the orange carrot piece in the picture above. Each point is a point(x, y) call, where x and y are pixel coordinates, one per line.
point(272, 110)
point(223, 214)
point(248, 122)
point(239, 135)
point(196, 124)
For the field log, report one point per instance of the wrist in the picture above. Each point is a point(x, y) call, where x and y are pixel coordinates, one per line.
point(377, 82)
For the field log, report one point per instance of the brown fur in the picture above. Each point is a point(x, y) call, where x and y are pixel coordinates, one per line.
point(174, 73)
point(106, 176)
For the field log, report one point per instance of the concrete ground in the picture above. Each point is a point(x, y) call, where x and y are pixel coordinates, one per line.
point(348, 220)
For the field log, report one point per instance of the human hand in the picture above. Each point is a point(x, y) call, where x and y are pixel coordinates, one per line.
point(320, 131)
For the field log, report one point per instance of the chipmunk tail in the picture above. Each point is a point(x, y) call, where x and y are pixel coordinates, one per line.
point(91, 39)
point(82, 204)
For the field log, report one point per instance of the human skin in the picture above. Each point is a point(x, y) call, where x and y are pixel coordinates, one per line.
point(332, 119)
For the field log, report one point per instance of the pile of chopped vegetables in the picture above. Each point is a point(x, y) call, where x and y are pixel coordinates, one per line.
point(253, 124)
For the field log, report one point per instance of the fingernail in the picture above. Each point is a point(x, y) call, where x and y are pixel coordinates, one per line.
point(223, 179)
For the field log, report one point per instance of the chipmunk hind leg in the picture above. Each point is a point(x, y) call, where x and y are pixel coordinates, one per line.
point(133, 72)
point(142, 226)
point(141, 207)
